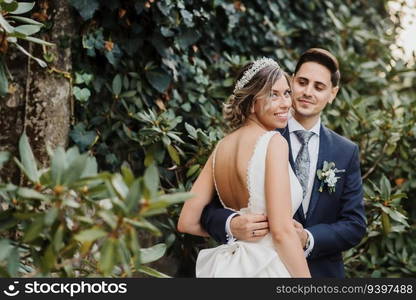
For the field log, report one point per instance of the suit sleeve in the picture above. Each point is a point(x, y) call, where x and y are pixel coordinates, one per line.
point(350, 226)
point(213, 219)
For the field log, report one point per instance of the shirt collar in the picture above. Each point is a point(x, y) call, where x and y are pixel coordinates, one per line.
point(295, 125)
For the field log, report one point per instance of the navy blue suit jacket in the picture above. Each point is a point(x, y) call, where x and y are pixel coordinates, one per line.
point(336, 220)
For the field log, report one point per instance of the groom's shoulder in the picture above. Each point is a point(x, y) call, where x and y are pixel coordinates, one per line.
point(340, 140)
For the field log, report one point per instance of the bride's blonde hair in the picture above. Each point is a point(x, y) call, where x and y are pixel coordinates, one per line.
point(237, 107)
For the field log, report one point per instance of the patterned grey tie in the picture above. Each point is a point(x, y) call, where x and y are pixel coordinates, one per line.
point(302, 160)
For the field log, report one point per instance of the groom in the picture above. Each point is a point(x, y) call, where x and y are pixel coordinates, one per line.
point(332, 219)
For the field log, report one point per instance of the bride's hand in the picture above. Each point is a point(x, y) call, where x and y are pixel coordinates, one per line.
point(249, 227)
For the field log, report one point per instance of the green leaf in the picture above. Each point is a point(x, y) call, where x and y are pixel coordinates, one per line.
point(397, 216)
point(13, 262)
point(158, 79)
point(116, 86)
point(124, 256)
point(159, 205)
point(28, 159)
point(90, 235)
point(188, 37)
point(148, 255)
point(119, 185)
point(175, 137)
point(91, 168)
point(23, 7)
point(191, 130)
point(75, 170)
point(128, 94)
point(48, 260)
point(398, 196)
point(86, 8)
point(107, 259)
point(151, 178)
point(169, 199)
point(173, 153)
point(4, 81)
point(58, 165)
point(9, 6)
point(82, 137)
point(34, 229)
point(144, 224)
point(152, 272)
point(37, 41)
point(385, 188)
point(133, 196)
point(51, 215)
point(27, 29)
point(109, 218)
point(128, 175)
point(3, 23)
point(369, 65)
point(4, 157)
point(319, 174)
point(187, 17)
point(192, 170)
point(334, 19)
point(81, 94)
point(83, 78)
point(385, 220)
point(30, 194)
point(132, 240)
point(5, 248)
point(26, 20)
point(58, 238)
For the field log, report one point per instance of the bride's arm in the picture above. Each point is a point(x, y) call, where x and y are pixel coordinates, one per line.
point(203, 191)
point(279, 208)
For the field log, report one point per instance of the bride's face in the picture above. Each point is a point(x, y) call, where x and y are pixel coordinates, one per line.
point(272, 110)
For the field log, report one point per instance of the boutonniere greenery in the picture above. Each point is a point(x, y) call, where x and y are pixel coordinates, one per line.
point(327, 176)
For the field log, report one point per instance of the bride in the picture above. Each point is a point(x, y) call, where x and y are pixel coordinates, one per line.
point(250, 172)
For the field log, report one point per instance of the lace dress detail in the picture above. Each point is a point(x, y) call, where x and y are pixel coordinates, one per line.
point(250, 259)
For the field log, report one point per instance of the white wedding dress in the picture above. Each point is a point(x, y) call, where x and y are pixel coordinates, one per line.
point(250, 259)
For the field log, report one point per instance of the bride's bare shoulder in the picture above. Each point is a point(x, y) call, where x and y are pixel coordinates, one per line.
point(278, 145)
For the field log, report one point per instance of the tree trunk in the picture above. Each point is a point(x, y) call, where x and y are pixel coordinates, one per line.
point(40, 99)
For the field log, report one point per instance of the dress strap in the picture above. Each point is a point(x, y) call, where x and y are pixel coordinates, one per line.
point(256, 167)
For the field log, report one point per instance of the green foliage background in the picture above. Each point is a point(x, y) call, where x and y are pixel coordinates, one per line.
point(151, 77)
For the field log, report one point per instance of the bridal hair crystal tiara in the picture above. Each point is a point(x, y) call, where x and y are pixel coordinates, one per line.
point(249, 74)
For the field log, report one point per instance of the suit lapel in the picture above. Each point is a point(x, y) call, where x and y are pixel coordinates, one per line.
point(299, 215)
point(285, 133)
point(323, 154)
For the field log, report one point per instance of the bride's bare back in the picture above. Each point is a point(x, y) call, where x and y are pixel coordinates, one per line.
point(232, 156)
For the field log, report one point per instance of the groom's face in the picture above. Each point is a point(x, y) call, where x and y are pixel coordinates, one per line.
point(312, 89)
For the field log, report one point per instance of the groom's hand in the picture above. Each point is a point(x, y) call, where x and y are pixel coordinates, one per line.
point(249, 227)
point(303, 236)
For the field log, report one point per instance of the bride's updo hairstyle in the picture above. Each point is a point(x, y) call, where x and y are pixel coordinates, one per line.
point(238, 105)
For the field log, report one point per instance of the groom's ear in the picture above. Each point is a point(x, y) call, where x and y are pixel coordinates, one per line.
point(334, 93)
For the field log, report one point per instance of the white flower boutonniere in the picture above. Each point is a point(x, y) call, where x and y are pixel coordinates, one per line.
point(327, 176)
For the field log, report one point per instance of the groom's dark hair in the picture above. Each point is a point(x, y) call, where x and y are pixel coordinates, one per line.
point(324, 58)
